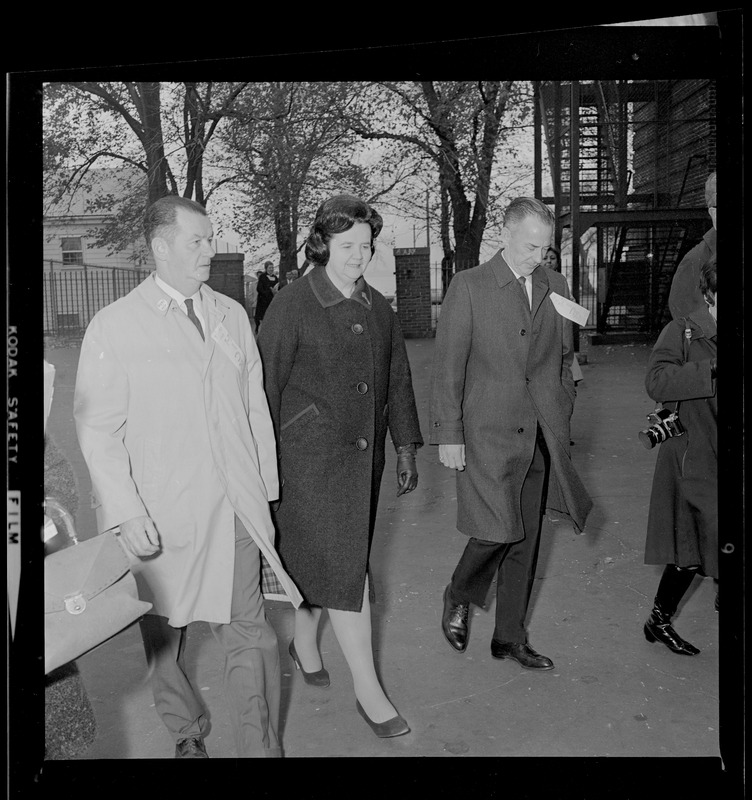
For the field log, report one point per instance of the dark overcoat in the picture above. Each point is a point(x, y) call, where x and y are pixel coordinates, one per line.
point(336, 376)
point(500, 370)
point(685, 295)
point(683, 517)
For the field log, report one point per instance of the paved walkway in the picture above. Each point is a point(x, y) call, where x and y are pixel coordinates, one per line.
point(611, 694)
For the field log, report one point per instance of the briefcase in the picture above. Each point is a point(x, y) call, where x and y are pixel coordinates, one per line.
point(90, 594)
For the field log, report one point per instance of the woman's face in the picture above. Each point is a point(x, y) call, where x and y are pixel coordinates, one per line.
point(349, 254)
point(270, 269)
point(550, 260)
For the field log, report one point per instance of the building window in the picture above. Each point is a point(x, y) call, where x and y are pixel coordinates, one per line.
point(73, 251)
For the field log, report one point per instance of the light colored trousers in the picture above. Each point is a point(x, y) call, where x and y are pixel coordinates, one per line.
point(251, 674)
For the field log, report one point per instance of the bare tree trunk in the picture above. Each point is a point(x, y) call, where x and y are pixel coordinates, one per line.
point(152, 139)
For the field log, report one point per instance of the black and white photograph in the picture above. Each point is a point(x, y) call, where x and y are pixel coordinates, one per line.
point(380, 410)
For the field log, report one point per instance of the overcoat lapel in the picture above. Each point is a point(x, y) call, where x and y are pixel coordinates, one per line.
point(540, 288)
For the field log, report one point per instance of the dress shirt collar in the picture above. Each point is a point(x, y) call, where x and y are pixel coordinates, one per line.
point(178, 297)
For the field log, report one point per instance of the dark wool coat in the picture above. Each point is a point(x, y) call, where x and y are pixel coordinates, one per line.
point(683, 517)
point(336, 376)
point(685, 295)
point(501, 369)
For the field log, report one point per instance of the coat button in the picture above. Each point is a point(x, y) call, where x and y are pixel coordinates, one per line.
point(357, 328)
point(362, 387)
point(361, 443)
point(523, 332)
point(520, 430)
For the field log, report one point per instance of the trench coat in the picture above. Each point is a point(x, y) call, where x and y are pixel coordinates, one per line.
point(683, 515)
point(500, 370)
point(179, 430)
point(337, 377)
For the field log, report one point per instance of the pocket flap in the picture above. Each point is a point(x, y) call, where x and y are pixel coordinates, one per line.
point(83, 570)
point(305, 415)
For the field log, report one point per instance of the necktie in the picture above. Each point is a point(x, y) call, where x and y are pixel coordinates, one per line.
point(193, 318)
point(522, 282)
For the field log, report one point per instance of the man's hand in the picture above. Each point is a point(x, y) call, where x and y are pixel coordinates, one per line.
point(140, 536)
point(452, 456)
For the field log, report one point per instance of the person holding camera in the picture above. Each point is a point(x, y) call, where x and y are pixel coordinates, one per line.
point(683, 518)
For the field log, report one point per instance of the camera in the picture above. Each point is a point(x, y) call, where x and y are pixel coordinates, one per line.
point(664, 424)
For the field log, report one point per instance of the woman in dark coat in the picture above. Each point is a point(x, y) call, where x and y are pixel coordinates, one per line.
point(337, 376)
point(683, 518)
point(265, 287)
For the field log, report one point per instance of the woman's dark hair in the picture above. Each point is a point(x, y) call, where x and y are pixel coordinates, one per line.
point(337, 215)
point(708, 276)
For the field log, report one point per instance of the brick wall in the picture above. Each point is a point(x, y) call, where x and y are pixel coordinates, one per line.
point(227, 275)
point(413, 278)
point(668, 132)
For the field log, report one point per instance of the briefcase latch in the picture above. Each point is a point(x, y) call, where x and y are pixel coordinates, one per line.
point(75, 604)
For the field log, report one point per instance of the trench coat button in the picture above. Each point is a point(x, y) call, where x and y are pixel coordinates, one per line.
point(520, 430)
point(362, 387)
point(523, 332)
point(357, 328)
point(361, 443)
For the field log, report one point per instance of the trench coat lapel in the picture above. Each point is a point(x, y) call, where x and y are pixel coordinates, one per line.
point(215, 314)
point(166, 307)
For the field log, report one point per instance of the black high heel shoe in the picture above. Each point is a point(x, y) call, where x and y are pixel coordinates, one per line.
point(319, 678)
point(396, 726)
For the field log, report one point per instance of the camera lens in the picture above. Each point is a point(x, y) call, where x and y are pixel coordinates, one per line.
point(648, 439)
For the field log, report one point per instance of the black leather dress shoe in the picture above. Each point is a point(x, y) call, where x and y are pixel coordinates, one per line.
point(191, 748)
point(523, 654)
point(454, 623)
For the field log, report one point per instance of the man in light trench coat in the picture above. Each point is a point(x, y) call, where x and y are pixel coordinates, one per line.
point(175, 429)
point(502, 397)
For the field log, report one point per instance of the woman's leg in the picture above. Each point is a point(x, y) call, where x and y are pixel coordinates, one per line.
point(306, 637)
point(353, 632)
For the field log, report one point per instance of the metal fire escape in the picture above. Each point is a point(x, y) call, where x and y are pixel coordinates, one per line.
point(627, 244)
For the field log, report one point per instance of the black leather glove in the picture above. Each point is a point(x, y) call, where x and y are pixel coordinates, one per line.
point(407, 469)
point(712, 368)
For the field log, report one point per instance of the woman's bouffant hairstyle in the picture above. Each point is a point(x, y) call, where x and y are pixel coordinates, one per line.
point(337, 215)
point(708, 277)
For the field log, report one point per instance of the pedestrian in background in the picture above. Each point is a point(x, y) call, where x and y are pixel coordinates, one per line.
point(251, 295)
point(265, 289)
point(337, 378)
point(683, 518)
point(502, 397)
point(175, 429)
point(552, 260)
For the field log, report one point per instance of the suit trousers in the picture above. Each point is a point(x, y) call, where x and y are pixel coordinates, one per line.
point(513, 563)
point(251, 671)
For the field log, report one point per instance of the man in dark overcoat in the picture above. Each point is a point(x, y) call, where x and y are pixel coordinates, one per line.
point(502, 397)
point(685, 295)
